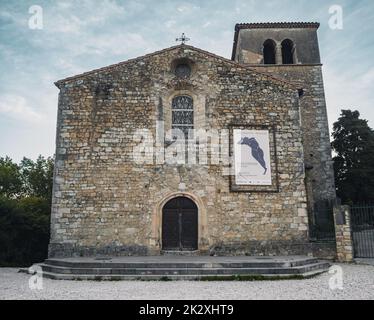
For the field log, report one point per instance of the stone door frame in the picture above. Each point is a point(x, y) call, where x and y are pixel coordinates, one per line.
point(157, 220)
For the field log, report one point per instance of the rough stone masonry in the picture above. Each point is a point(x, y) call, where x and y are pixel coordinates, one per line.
point(107, 202)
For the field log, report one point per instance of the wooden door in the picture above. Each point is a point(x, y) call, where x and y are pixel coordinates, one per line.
point(180, 225)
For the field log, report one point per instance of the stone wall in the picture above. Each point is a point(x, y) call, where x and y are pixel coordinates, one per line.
point(344, 244)
point(324, 249)
point(306, 73)
point(249, 46)
point(105, 203)
point(316, 138)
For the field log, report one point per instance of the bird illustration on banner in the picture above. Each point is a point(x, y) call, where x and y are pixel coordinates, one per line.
point(257, 152)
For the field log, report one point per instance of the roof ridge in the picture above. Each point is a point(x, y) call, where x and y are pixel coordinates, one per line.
point(293, 85)
point(111, 66)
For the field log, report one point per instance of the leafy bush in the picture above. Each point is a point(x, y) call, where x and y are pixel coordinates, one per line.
point(25, 205)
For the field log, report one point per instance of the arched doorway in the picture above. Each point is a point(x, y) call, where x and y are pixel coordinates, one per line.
point(180, 225)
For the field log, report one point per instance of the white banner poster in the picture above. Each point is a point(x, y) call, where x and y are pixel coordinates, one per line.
point(252, 157)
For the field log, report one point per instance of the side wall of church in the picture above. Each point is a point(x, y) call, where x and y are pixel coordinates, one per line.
point(105, 202)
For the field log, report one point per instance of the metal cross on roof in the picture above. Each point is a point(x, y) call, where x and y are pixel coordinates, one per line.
point(183, 39)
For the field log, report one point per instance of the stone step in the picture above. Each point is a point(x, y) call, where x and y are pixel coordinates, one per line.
point(175, 264)
point(181, 268)
point(206, 277)
point(183, 271)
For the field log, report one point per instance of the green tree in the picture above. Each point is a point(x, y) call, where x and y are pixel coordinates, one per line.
point(37, 177)
point(354, 161)
point(25, 206)
point(24, 231)
point(11, 185)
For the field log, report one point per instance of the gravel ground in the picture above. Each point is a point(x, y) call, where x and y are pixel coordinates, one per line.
point(358, 283)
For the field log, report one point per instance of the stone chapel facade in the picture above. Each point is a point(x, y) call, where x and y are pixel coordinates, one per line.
point(115, 195)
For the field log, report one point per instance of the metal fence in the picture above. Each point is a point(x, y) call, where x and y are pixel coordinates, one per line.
point(362, 224)
point(322, 227)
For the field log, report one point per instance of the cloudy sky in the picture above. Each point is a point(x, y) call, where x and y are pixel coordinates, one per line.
point(78, 36)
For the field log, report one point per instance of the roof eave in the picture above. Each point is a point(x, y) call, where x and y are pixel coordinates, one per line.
point(270, 25)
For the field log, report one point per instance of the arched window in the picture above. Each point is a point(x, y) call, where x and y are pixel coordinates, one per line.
point(288, 52)
point(269, 52)
point(182, 114)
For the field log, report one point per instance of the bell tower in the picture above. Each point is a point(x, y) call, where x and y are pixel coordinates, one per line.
point(290, 50)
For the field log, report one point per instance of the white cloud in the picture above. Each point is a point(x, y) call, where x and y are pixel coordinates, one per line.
point(183, 8)
point(342, 92)
point(70, 24)
point(16, 107)
point(186, 8)
point(15, 19)
point(115, 44)
point(170, 23)
point(75, 18)
point(367, 79)
point(67, 64)
point(64, 5)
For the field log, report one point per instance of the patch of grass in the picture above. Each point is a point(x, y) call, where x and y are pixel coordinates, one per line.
point(248, 278)
point(165, 279)
point(257, 278)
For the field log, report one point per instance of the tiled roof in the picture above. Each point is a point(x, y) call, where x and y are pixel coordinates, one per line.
point(277, 25)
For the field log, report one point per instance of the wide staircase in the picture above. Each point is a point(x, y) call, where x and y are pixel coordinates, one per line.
point(183, 268)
